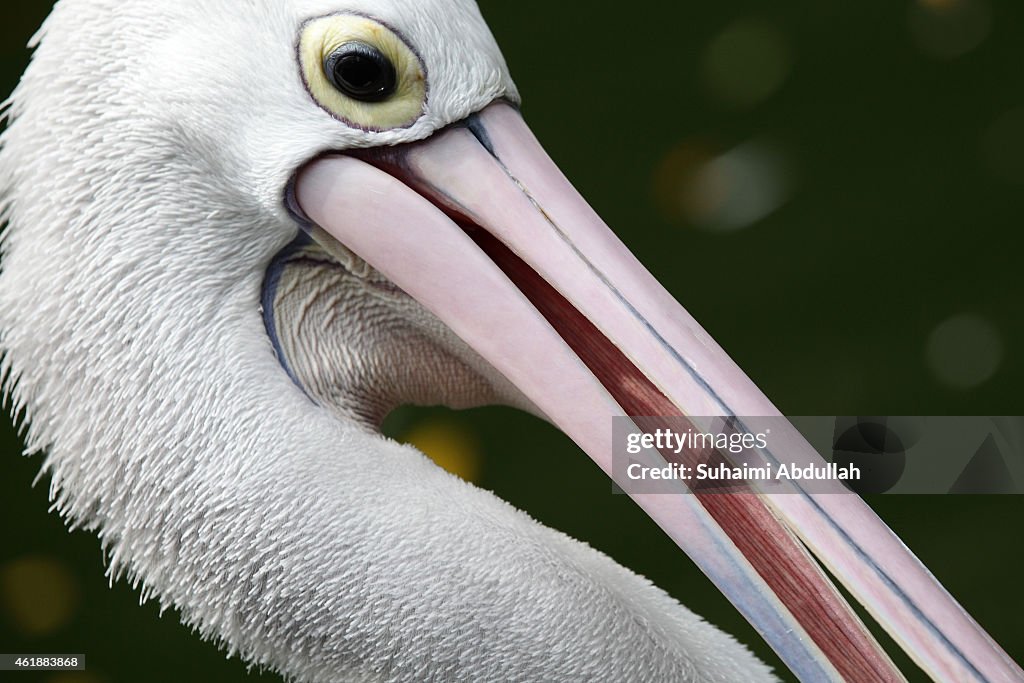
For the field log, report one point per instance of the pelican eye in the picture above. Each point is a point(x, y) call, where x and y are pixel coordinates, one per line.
point(362, 72)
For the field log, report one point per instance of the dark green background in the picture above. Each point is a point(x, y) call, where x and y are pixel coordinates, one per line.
point(898, 220)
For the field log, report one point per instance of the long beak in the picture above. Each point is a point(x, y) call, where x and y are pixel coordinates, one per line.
point(478, 224)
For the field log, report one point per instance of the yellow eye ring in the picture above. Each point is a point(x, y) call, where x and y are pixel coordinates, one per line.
point(376, 82)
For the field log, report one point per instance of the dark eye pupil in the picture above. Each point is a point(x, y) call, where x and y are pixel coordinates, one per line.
point(361, 71)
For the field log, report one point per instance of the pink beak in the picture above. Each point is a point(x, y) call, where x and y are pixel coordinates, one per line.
point(479, 225)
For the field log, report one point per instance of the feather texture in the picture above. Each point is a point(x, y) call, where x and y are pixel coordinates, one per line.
point(142, 179)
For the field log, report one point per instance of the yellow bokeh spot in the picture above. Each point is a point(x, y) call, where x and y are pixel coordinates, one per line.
point(38, 595)
point(450, 444)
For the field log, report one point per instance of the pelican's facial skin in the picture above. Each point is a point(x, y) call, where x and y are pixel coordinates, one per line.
point(191, 328)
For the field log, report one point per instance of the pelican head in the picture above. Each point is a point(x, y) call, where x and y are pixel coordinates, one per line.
point(240, 233)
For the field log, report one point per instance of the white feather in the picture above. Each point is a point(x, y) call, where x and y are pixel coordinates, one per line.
point(142, 177)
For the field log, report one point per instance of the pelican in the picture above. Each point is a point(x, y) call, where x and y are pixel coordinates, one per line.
point(239, 234)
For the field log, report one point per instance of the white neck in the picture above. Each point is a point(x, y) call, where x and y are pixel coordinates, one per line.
point(301, 541)
point(134, 346)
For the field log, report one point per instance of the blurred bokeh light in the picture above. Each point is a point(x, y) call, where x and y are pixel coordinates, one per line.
point(39, 595)
point(746, 62)
point(448, 442)
point(1003, 146)
point(728, 191)
point(964, 351)
point(946, 29)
